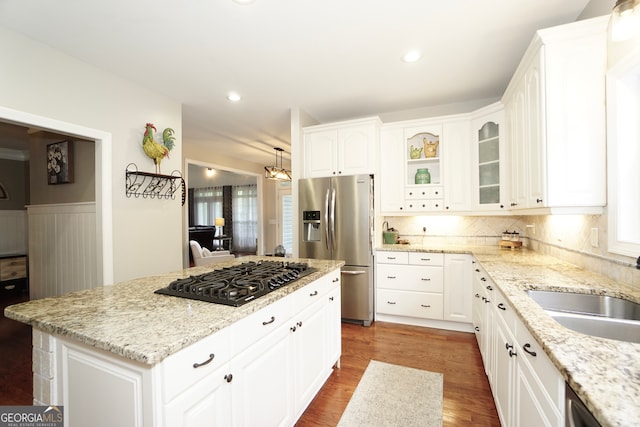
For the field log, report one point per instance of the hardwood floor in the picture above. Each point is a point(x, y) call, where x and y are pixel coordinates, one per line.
point(16, 387)
point(467, 396)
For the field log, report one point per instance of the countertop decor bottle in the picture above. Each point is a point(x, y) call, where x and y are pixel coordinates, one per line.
point(423, 176)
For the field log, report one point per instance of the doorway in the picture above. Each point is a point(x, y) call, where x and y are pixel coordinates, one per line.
point(240, 223)
point(103, 179)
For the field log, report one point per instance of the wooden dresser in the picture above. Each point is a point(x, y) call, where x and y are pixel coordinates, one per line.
point(13, 272)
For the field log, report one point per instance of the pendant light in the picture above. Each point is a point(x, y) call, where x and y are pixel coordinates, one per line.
point(277, 172)
point(625, 20)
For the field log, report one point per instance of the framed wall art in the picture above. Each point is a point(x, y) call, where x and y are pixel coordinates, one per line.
point(60, 162)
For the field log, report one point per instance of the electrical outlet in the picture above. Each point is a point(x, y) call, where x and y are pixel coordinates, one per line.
point(531, 229)
point(594, 237)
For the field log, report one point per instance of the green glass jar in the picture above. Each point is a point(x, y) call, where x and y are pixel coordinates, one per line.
point(423, 176)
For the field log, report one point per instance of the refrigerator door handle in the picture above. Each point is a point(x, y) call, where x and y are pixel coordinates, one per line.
point(333, 219)
point(327, 220)
point(353, 273)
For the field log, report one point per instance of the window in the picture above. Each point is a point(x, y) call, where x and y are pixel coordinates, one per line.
point(208, 205)
point(623, 138)
point(245, 218)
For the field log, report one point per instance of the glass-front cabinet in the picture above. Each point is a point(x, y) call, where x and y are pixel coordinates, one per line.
point(489, 176)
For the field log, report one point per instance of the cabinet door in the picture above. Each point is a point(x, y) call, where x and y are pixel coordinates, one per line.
point(537, 139)
point(457, 288)
point(504, 371)
point(310, 346)
point(491, 192)
point(518, 143)
point(262, 385)
point(391, 171)
point(334, 327)
point(356, 150)
point(320, 153)
point(205, 403)
point(457, 167)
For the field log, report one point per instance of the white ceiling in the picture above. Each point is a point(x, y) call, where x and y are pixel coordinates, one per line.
point(333, 59)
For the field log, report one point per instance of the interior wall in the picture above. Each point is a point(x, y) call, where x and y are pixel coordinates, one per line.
point(83, 187)
point(46, 83)
point(14, 177)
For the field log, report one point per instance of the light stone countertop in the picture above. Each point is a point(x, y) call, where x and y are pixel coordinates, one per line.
point(130, 320)
point(604, 373)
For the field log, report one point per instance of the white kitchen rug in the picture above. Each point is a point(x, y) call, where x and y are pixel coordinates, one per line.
point(391, 395)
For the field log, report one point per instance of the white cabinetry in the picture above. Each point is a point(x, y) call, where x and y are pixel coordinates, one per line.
point(491, 164)
point(554, 108)
point(402, 156)
point(457, 287)
point(413, 288)
point(527, 388)
point(282, 353)
point(391, 170)
point(345, 148)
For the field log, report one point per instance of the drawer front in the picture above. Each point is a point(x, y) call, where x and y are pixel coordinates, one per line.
point(410, 278)
point(179, 370)
point(313, 292)
point(424, 205)
point(260, 324)
point(504, 309)
point(413, 304)
point(426, 258)
point(551, 380)
point(390, 257)
point(419, 193)
point(13, 268)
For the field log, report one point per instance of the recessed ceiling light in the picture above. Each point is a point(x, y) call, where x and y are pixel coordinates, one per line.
point(233, 97)
point(411, 56)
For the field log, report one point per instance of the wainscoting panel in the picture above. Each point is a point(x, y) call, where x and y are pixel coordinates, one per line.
point(13, 232)
point(62, 249)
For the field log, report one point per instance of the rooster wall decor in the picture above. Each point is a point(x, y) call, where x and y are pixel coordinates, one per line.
point(156, 150)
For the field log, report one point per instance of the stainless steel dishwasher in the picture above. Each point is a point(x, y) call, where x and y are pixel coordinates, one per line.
point(576, 413)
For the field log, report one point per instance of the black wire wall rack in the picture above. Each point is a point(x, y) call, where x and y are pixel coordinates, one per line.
point(153, 185)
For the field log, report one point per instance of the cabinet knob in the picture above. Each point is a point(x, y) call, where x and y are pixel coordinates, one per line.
point(228, 377)
point(437, 205)
point(501, 206)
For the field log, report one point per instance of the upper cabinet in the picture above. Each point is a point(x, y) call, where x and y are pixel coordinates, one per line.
point(490, 171)
point(555, 119)
point(345, 148)
point(424, 166)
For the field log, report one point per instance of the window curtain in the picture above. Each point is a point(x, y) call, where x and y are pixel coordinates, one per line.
point(245, 218)
point(208, 205)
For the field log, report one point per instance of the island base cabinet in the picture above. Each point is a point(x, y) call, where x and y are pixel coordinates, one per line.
point(206, 403)
point(262, 382)
point(225, 379)
point(100, 390)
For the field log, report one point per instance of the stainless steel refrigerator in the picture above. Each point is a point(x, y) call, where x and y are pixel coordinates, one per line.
point(336, 222)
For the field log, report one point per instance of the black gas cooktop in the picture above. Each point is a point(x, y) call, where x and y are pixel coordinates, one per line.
point(239, 284)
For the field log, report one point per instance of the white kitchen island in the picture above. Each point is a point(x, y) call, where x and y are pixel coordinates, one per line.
point(123, 355)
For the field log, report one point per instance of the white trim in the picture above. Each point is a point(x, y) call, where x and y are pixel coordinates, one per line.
point(104, 181)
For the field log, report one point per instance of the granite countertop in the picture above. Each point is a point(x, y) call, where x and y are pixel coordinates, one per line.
point(130, 320)
point(604, 373)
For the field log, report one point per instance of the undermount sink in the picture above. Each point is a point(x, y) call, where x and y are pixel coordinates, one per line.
point(597, 315)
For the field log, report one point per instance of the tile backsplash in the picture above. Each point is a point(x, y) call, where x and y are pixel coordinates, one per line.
point(567, 237)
